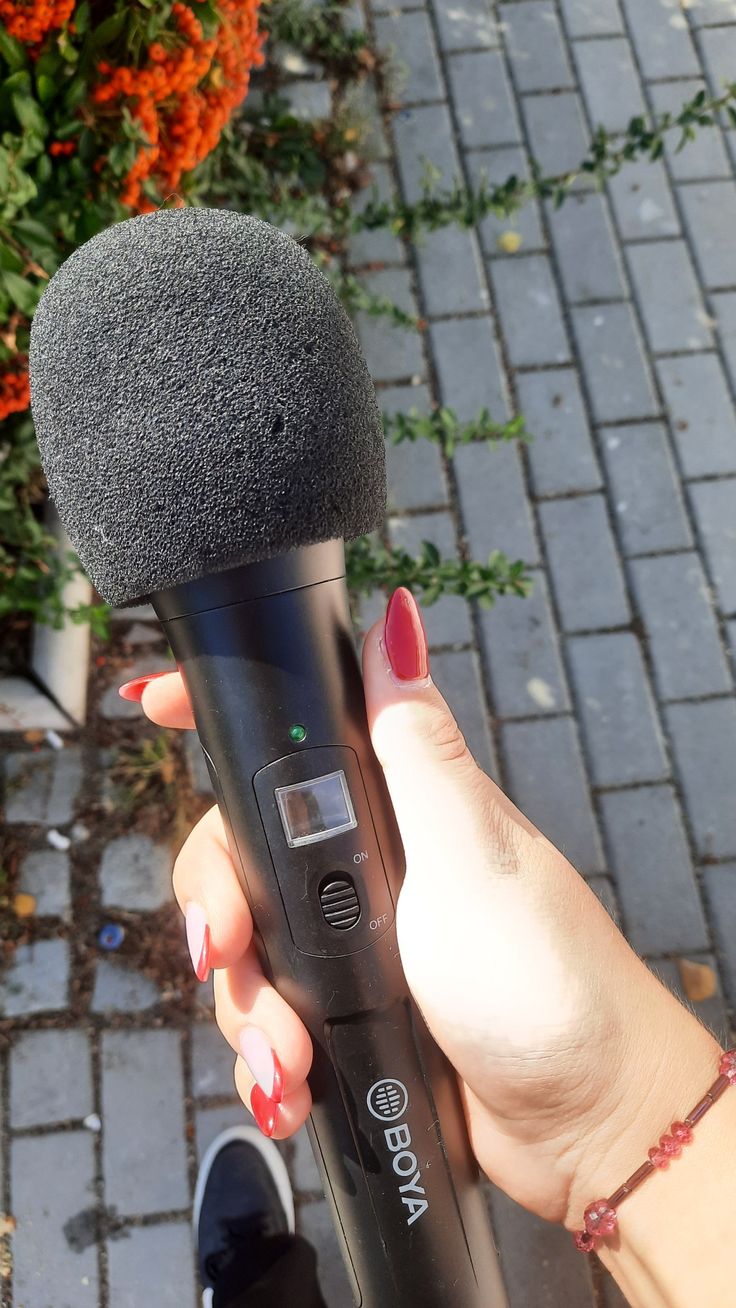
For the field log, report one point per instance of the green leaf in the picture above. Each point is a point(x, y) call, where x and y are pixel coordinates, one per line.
point(33, 232)
point(108, 30)
point(431, 553)
point(82, 17)
point(20, 81)
point(66, 130)
point(10, 260)
point(12, 51)
point(46, 88)
point(731, 113)
point(44, 170)
point(24, 294)
point(29, 113)
point(76, 92)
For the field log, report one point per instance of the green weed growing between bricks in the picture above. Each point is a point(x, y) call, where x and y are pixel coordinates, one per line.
point(299, 174)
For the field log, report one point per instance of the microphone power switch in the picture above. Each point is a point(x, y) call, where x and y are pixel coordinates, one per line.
point(340, 903)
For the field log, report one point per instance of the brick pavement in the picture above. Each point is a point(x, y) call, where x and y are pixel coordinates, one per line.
point(605, 704)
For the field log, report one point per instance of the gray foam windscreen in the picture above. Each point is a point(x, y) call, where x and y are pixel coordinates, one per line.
point(200, 401)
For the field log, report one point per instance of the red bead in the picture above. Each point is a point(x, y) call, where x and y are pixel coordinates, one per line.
point(659, 1158)
point(672, 1148)
point(727, 1066)
point(682, 1132)
point(585, 1242)
point(600, 1219)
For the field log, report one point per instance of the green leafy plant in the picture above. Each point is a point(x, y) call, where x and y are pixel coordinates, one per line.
point(373, 566)
point(145, 773)
point(443, 427)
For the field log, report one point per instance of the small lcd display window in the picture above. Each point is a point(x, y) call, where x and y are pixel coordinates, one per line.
point(315, 810)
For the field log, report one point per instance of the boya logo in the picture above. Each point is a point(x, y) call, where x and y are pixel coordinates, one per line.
point(388, 1100)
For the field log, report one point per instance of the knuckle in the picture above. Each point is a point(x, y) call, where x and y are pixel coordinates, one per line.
point(444, 737)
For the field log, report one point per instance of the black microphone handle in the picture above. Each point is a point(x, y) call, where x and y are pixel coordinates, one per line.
point(264, 650)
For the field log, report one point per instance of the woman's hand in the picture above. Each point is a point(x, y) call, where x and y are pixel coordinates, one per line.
point(565, 1044)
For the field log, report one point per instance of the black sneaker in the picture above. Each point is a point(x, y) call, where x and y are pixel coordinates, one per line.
point(243, 1197)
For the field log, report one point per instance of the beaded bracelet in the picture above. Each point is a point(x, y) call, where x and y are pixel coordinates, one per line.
point(601, 1217)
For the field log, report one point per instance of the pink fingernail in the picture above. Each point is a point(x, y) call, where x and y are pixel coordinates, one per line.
point(133, 690)
point(198, 940)
point(263, 1064)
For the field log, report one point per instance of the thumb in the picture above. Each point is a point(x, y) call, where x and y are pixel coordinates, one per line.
point(432, 777)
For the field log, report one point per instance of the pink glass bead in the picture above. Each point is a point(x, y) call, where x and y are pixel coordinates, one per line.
point(585, 1242)
point(671, 1147)
point(727, 1066)
point(682, 1132)
point(600, 1219)
point(659, 1158)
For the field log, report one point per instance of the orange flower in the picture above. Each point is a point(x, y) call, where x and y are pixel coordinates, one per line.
point(14, 390)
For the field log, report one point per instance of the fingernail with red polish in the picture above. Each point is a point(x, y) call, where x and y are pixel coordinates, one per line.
point(262, 1062)
point(405, 637)
point(134, 689)
point(198, 940)
point(265, 1111)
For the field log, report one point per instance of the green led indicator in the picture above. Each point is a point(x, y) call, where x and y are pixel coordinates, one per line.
point(297, 733)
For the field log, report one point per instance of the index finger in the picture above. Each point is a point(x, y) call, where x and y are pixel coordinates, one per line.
point(166, 702)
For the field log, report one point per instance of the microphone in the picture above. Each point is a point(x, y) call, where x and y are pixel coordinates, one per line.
point(210, 436)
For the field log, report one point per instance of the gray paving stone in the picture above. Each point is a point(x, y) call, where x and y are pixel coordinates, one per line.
point(451, 272)
point(710, 218)
point(528, 305)
point(684, 643)
point(592, 17)
point(408, 40)
point(143, 1144)
point(45, 875)
point(705, 156)
point(664, 46)
point(42, 787)
point(391, 352)
point(546, 778)
point(586, 575)
point(715, 508)
point(558, 135)
point(731, 633)
point(483, 100)
point(459, 678)
point(494, 167)
point(653, 870)
point(704, 743)
point(302, 1167)
point(135, 613)
point(647, 501)
point(210, 1122)
point(587, 256)
point(37, 979)
point(701, 414)
point(539, 1269)
point(315, 1224)
point(620, 730)
point(50, 1078)
point(522, 654)
point(643, 203)
point(424, 135)
point(711, 1011)
point(669, 298)
point(144, 633)
point(603, 888)
point(703, 12)
point(493, 503)
point(53, 1188)
point(213, 1061)
point(309, 101)
point(416, 477)
point(720, 890)
point(614, 363)
point(561, 453)
point(135, 873)
point(152, 1264)
point(466, 25)
point(361, 102)
point(111, 705)
point(448, 621)
point(610, 82)
point(469, 367)
point(718, 49)
point(379, 246)
point(723, 305)
point(535, 46)
point(200, 777)
point(121, 989)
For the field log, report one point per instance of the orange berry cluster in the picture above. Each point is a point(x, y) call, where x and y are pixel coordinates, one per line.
point(60, 148)
point(30, 21)
point(14, 391)
point(183, 95)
